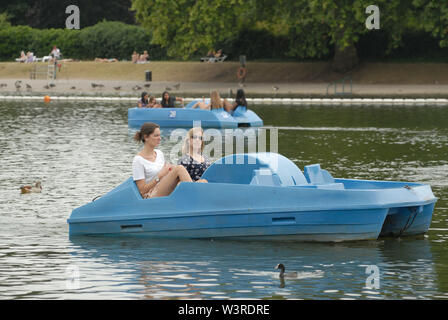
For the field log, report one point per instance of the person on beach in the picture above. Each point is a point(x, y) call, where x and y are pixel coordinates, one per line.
point(169, 101)
point(22, 57)
point(192, 158)
point(211, 53)
point(153, 176)
point(240, 100)
point(134, 57)
point(218, 54)
point(144, 57)
point(215, 102)
point(55, 53)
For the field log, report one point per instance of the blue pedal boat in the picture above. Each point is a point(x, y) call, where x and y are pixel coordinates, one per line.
point(262, 196)
point(184, 117)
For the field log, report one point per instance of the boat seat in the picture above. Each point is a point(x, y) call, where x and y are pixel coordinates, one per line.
point(265, 177)
point(242, 168)
point(320, 177)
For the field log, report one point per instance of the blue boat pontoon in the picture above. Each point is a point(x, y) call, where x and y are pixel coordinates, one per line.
point(184, 117)
point(263, 196)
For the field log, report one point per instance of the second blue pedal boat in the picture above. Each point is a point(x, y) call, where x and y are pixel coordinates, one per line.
point(184, 117)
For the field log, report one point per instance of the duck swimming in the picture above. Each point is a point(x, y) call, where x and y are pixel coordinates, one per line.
point(37, 188)
point(289, 275)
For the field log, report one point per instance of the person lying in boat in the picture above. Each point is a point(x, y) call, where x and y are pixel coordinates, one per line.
point(192, 158)
point(215, 102)
point(153, 176)
point(240, 100)
point(168, 101)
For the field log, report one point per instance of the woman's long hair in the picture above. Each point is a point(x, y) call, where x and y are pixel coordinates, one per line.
point(144, 93)
point(146, 130)
point(241, 98)
point(165, 103)
point(215, 100)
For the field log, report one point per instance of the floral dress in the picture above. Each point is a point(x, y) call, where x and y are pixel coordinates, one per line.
point(194, 168)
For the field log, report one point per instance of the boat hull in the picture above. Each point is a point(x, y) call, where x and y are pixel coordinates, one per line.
point(408, 221)
point(187, 118)
point(303, 226)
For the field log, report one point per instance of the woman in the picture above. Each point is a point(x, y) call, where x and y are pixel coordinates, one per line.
point(144, 101)
point(152, 175)
point(192, 159)
point(134, 57)
point(215, 102)
point(240, 100)
point(144, 57)
point(169, 101)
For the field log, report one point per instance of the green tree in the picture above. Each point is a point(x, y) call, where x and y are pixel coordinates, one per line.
point(185, 27)
point(315, 28)
point(43, 14)
point(4, 20)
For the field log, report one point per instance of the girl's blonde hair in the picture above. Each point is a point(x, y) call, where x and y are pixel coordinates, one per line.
point(187, 147)
point(215, 100)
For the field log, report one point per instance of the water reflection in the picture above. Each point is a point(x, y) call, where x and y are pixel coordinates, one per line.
point(200, 269)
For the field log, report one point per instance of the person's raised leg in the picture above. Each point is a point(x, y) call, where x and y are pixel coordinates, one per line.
point(169, 182)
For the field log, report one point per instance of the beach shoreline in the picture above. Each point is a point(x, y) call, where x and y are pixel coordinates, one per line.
point(196, 79)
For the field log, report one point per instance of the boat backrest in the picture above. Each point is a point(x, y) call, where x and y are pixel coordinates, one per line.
point(265, 177)
point(254, 168)
point(321, 178)
point(315, 175)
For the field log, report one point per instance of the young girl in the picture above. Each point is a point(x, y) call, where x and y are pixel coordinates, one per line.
point(192, 159)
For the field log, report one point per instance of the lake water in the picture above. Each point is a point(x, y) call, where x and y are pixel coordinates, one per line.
point(82, 150)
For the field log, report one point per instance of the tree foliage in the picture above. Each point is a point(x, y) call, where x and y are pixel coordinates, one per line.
point(186, 26)
point(44, 14)
point(104, 40)
point(314, 27)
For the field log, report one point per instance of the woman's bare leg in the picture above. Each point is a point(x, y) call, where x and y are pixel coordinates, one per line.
point(170, 181)
point(201, 105)
point(204, 106)
point(228, 106)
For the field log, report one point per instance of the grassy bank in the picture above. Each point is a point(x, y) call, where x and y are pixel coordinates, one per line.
point(257, 72)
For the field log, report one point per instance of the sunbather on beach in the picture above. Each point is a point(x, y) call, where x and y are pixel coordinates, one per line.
point(144, 57)
point(105, 60)
point(134, 57)
point(22, 57)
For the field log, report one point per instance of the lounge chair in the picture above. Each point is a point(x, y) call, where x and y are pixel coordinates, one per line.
point(214, 59)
